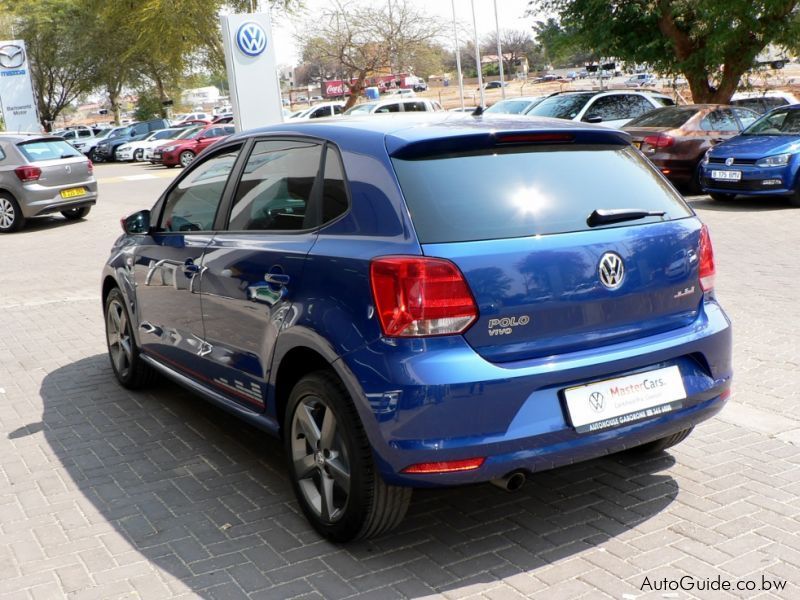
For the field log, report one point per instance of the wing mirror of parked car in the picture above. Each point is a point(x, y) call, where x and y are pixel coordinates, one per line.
point(138, 222)
point(594, 119)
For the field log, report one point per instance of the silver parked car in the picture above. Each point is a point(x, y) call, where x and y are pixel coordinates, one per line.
point(42, 175)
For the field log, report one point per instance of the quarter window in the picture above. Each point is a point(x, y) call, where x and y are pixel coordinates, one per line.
point(192, 204)
point(276, 187)
point(414, 106)
point(334, 190)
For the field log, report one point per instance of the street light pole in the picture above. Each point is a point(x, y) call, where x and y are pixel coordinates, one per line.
point(499, 51)
point(458, 57)
point(477, 54)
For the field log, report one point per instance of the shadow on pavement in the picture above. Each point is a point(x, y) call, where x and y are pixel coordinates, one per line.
point(206, 499)
point(741, 203)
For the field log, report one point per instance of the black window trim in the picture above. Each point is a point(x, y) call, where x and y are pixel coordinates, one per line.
point(315, 202)
point(160, 204)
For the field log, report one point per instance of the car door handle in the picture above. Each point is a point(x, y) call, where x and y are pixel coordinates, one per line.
point(277, 278)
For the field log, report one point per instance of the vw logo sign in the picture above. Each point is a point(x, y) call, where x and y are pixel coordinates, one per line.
point(597, 401)
point(611, 270)
point(11, 56)
point(729, 161)
point(251, 38)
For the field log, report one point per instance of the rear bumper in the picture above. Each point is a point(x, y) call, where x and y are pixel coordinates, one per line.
point(437, 400)
point(41, 200)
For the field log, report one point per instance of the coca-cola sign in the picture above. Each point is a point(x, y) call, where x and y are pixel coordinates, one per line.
point(334, 88)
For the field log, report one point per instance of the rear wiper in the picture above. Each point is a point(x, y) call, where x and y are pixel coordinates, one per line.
point(603, 216)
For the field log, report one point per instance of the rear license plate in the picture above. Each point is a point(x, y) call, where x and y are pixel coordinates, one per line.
point(73, 192)
point(726, 175)
point(615, 402)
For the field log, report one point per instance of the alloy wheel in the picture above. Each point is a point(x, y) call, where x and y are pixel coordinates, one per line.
point(118, 335)
point(7, 213)
point(321, 464)
point(186, 158)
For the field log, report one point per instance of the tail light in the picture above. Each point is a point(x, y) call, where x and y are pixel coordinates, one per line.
point(659, 141)
point(418, 296)
point(707, 270)
point(90, 167)
point(28, 173)
point(447, 466)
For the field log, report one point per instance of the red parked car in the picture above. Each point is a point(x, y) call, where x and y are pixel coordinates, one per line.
point(184, 151)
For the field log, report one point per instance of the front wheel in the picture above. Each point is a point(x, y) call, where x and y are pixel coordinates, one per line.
point(138, 155)
point(11, 217)
point(76, 213)
point(129, 368)
point(186, 158)
point(330, 462)
point(721, 197)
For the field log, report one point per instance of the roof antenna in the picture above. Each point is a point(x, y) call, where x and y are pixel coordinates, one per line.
point(478, 111)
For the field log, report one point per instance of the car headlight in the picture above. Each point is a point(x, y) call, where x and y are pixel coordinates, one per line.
point(168, 148)
point(705, 157)
point(124, 148)
point(778, 160)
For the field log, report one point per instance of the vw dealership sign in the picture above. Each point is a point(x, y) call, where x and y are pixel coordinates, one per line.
point(251, 38)
point(252, 72)
point(17, 102)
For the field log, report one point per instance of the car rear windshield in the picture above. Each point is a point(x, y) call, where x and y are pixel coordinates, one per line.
point(561, 107)
point(671, 116)
point(38, 150)
point(525, 191)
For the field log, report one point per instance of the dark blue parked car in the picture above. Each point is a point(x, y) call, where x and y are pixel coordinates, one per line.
point(762, 161)
point(425, 301)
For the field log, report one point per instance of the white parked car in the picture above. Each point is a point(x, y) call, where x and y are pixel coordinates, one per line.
point(641, 80)
point(395, 106)
point(318, 111)
point(763, 101)
point(135, 150)
point(613, 108)
point(515, 106)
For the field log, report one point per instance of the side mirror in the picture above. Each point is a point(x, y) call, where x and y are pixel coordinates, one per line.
point(136, 223)
point(593, 119)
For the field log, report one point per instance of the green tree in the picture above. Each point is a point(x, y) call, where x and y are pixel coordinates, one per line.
point(60, 69)
point(711, 42)
point(515, 46)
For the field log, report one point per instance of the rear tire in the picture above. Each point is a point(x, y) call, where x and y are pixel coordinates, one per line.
point(657, 446)
point(74, 214)
point(11, 217)
point(129, 368)
point(330, 463)
point(721, 197)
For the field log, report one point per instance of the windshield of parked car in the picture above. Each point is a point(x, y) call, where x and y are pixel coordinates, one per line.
point(362, 109)
point(119, 132)
point(671, 116)
point(515, 106)
point(188, 133)
point(565, 106)
point(778, 122)
point(50, 149)
point(164, 134)
point(456, 197)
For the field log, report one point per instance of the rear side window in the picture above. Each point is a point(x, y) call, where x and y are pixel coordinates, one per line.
point(334, 191)
point(719, 120)
point(526, 191)
point(415, 106)
point(276, 186)
point(389, 108)
point(664, 101)
point(47, 150)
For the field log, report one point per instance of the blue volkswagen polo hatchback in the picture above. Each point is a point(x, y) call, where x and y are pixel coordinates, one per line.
point(425, 301)
point(763, 160)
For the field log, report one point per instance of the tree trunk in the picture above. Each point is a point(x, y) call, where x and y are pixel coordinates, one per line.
point(355, 91)
point(162, 94)
point(113, 99)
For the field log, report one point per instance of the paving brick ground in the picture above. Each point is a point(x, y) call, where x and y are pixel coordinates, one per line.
point(110, 494)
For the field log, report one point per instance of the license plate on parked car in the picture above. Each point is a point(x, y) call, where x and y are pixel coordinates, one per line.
point(726, 175)
point(615, 402)
point(73, 192)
